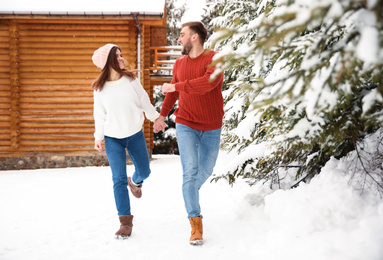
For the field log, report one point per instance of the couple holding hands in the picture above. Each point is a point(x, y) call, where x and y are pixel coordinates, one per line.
point(119, 103)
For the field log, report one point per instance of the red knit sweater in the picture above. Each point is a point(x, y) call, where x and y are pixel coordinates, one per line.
point(200, 104)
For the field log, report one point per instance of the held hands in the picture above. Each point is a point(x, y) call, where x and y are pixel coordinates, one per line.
point(98, 145)
point(167, 88)
point(159, 124)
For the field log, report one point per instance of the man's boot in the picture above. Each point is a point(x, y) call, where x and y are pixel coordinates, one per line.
point(197, 230)
point(125, 227)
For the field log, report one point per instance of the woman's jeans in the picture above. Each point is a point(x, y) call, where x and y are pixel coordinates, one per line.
point(199, 152)
point(116, 153)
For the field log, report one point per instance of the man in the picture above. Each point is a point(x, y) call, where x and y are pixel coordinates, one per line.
point(198, 117)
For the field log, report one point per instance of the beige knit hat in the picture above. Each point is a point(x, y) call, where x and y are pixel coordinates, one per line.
point(100, 56)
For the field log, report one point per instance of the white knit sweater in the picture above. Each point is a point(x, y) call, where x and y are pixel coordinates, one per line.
point(118, 109)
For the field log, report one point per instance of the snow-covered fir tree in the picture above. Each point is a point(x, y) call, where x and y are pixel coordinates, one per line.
point(303, 78)
point(211, 13)
point(174, 13)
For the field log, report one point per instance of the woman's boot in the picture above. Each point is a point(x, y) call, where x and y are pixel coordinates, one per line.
point(125, 227)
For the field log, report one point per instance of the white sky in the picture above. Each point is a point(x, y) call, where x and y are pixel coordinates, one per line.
point(193, 12)
point(149, 6)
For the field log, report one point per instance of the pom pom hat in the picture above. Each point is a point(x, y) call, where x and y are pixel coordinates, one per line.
point(100, 56)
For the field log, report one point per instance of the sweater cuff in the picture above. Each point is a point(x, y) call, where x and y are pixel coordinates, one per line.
point(154, 116)
point(180, 86)
point(164, 113)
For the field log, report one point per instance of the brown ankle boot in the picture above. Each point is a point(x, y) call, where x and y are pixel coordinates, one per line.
point(125, 227)
point(197, 230)
point(136, 190)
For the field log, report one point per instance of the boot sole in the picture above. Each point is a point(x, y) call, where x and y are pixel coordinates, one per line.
point(120, 238)
point(196, 242)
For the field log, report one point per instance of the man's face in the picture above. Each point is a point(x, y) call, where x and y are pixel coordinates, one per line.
point(185, 40)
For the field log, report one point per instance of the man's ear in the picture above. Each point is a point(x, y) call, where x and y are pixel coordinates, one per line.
point(195, 37)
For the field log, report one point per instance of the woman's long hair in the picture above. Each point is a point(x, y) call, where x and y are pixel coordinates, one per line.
point(112, 62)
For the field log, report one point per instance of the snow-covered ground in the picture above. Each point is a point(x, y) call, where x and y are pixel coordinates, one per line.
point(70, 214)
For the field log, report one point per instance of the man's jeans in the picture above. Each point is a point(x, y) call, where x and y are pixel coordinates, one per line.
point(116, 153)
point(199, 152)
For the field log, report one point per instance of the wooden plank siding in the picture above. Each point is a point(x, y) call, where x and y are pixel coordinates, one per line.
point(46, 102)
point(5, 88)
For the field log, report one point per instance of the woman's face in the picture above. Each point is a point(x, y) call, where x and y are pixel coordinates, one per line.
point(120, 59)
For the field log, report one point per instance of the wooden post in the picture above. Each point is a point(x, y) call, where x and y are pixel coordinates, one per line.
point(148, 126)
point(15, 85)
point(155, 58)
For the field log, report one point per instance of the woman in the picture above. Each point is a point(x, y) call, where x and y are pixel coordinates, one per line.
point(119, 103)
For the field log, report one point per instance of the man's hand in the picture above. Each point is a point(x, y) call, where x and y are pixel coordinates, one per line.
point(98, 145)
point(167, 88)
point(159, 124)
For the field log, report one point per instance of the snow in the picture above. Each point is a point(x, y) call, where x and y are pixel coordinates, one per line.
point(367, 49)
point(370, 99)
point(368, 46)
point(371, 3)
point(70, 214)
point(194, 10)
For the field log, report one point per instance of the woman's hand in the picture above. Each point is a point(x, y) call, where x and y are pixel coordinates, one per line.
point(98, 145)
point(159, 124)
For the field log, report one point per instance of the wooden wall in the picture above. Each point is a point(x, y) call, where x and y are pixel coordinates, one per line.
point(46, 102)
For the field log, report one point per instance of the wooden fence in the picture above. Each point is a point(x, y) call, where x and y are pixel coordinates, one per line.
point(164, 57)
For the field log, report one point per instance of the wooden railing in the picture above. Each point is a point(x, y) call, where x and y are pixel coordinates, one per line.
point(162, 58)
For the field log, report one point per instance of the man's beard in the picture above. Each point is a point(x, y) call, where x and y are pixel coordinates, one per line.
point(187, 48)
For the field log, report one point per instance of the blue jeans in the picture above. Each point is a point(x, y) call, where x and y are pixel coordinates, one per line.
point(199, 152)
point(116, 153)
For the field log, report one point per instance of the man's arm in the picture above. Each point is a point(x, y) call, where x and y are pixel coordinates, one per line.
point(201, 85)
point(171, 97)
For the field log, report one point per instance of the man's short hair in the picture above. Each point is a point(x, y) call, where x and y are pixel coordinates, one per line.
point(198, 28)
